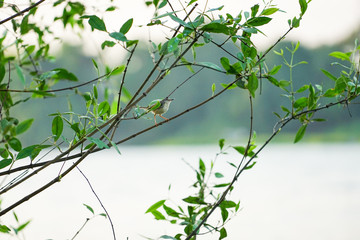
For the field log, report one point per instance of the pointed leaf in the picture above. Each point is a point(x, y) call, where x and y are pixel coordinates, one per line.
point(89, 208)
point(98, 142)
point(95, 22)
point(258, 21)
point(5, 162)
point(57, 127)
point(216, 27)
point(23, 126)
point(20, 74)
point(300, 133)
point(329, 75)
point(155, 206)
point(253, 84)
point(210, 65)
point(341, 55)
point(126, 26)
point(15, 144)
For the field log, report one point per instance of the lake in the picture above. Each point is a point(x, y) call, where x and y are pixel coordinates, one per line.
point(302, 191)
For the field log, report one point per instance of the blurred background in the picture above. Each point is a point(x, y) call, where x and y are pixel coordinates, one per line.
point(304, 191)
point(327, 26)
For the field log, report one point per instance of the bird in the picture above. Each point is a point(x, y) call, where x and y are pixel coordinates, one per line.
point(159, 107)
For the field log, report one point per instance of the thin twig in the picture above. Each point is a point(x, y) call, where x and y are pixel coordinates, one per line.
point(97, 197)
point(21, 12)
point(123, 78)
point(57, 90)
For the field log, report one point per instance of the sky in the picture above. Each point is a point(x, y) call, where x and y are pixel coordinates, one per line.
point(325, 22)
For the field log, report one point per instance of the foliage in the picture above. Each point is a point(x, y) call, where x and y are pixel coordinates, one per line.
point(105, 109)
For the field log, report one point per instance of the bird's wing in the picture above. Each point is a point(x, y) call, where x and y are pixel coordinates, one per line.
point(155, 104)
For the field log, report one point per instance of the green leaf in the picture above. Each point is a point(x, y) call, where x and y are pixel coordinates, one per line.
point(210, 65)
point(330, 93)
point(253, 84)
point(22, 226)
point(229, 86)
point(215, 9)
point(107, 44)
point(26, 152)
point(31, 151)
point(118, 70)
point(222, 184)
point(23, 126)
point(275, 70)
point(300, 133)
point(295, 23)
point(57, 127)
point(98, 142)
point(194, 200)
point(329, 75)
point(340, 84)
point(269, 11)
point(191, 2)
point(104, 108)
point(341, 55)
point(303, 88)
point(155, 206)
point(173, 44)
point(89, 208)
point(158, 215)
point(162, 4)
point(171, 212)
point(168, 237)
point(225, 63)
point(218, 175)
point(283, 84)
point(202, 167)
point(258, 21)
point(95, 65)
point(221, 143)
point(216, 27)
point(126, 26)
point(181, 22)
point(5, 162)
point(227, 204)
point(20, 74)
point(4, 153)
point(15, 144)
point(63, 74)
point(224, 214)
point(2, 72)
point(213, 88)
point(95, 22)
point(4, 229)
point(118, 36)
point(301, 102)
point(303, 6)
point(110, 9)
point(250, 166)
point(223, 233)
point(254, 10)
point(285, 109)
point(273, 81)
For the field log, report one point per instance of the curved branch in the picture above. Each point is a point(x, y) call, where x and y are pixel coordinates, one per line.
point(60, 89)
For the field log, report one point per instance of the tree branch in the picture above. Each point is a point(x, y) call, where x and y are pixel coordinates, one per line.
point(22, 12)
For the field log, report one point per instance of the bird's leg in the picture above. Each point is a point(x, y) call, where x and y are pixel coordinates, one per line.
point(155, 119)
point(164, 118)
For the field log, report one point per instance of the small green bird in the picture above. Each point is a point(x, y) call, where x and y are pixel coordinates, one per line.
point(159, 107)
